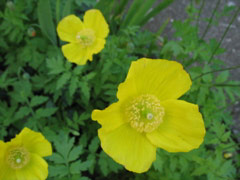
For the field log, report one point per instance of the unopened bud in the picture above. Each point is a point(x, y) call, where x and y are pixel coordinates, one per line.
point(10, 5)
point(31, 32)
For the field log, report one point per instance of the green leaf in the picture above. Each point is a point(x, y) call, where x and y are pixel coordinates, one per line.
point(173, 47)
point(37, 100)
point(73, 85)
point(107, 164)
point(94, 145)
point(57, 158)
point(58, 170)
point(46, 21)
point(67, 8)
point(47, 112)
point(79, 166)
point(75, 153)
point(55, 65)
point(22, 112)
point(63, 80)
point(202, 95)
point(222, 77)
point(208, 77)
point(85, 165)
point(74, 168)
point(64, 145)
point(85, 91)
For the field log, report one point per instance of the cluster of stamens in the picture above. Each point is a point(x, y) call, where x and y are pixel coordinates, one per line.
point(86, 37)
point(145, 113)
point(17, 157)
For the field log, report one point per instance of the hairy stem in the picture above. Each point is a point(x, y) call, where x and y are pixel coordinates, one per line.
point(211, 19)
point(224, 34)
point(219, 70)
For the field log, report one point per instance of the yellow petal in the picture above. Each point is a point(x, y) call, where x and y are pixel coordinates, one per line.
point(6, 173)
point(128, 147)
point(75, 53)
point(3, 147)
point(36, 169)
point(68, 28)
point(98, 45)
point(93, 19)
point(110, 118)
point(127, 90)
point(182, 129)
point(162, 78)
point(35, 142)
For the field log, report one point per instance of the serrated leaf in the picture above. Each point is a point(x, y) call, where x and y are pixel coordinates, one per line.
point(94, 145)
point(22, 112)
point(85, 165)
point(73, 85)
point(57, 158)
point(222, 77)
point(47, 112)
point(55, 65)
point(79, 166)
point(37, 100)
point(85, 92)
point(208, 77)
point(75, 153)
point(174, 47)
point(64, 145)
point(58, 170)
point(63, 80)
point(107, 164)
point(74, 168)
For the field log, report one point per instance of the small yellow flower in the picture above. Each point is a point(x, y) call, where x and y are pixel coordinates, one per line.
point(148, 115)
point(21, 158)
point(85, 38)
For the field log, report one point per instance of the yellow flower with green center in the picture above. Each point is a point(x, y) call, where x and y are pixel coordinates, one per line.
point(21, 158)
point(148, 115)
point(85, 38)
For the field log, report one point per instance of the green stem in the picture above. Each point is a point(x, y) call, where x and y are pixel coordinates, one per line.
point(224, 34)
point(232, 85)
point(30, 107)
point(219, 70)
point(157, 34)
point(219, 85)
point(211, 19)
point(199, 13)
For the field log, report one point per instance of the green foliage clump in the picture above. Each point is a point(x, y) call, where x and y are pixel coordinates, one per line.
point(40, 89)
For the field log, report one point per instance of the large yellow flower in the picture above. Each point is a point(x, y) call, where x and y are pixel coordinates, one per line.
point(21, 158)
point(85, 38)
point(148, 115)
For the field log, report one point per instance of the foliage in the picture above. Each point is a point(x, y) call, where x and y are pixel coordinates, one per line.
point(40, 89)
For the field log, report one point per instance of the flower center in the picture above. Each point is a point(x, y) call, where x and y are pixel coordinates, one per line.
point(145, 113)
point(86, 37)
point(17, 157)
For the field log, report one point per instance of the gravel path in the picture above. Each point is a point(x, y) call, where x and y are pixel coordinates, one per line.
point(231, 42)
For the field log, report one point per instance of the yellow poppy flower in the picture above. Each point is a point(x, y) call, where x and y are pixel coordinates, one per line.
point(148, 115)
point(85, 38)
point(21, 158)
